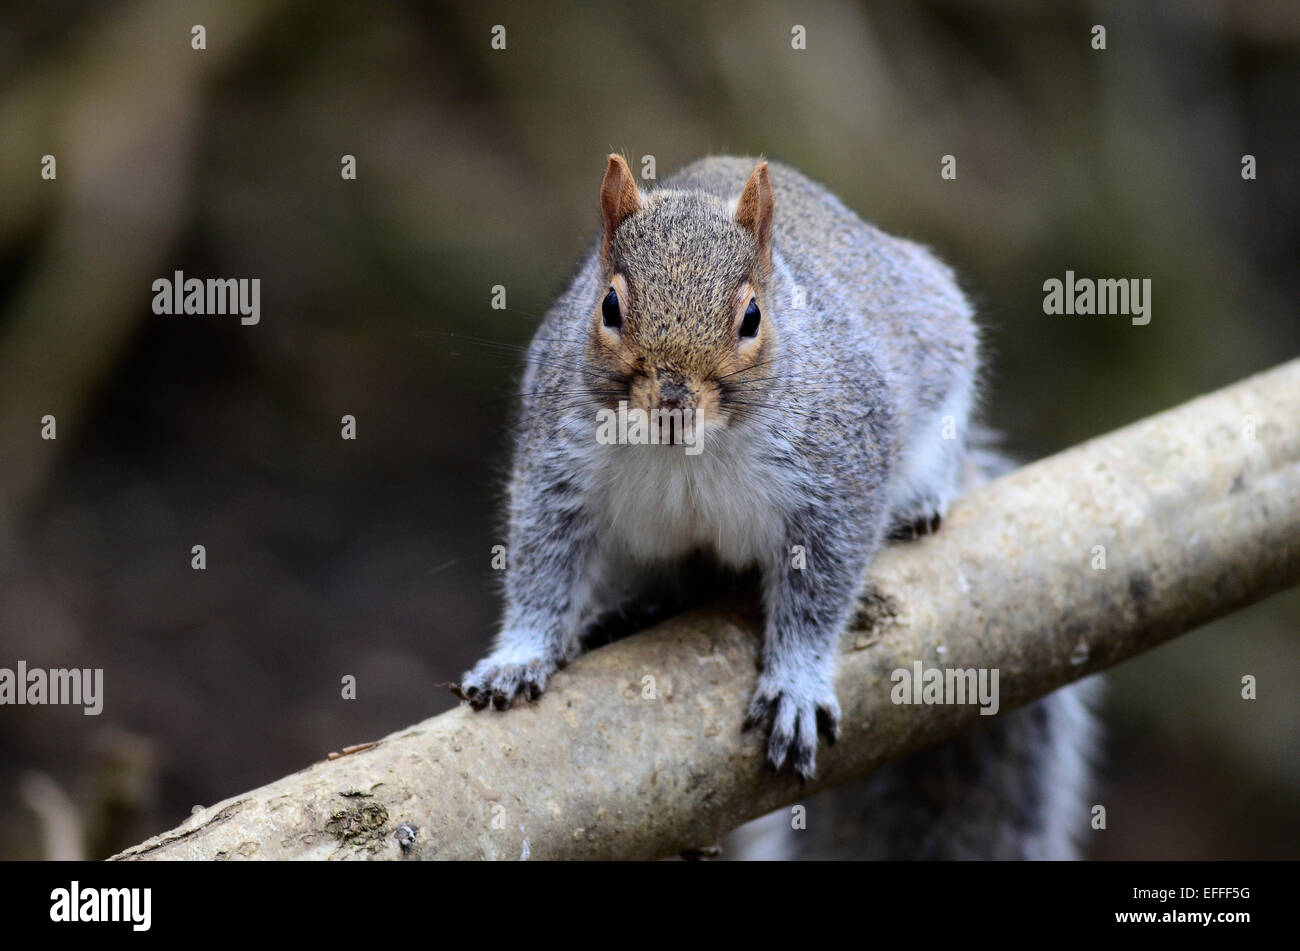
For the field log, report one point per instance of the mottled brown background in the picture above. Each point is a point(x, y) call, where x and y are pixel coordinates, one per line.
point(479, 168)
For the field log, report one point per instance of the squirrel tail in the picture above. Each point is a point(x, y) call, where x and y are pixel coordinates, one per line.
point(1015, 788)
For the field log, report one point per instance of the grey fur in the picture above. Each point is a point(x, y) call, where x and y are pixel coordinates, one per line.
point(853, 425)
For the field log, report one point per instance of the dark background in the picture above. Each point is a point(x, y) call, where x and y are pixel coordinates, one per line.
point(479, 167)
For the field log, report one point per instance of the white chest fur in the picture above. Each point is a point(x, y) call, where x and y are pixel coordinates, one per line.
point(655, 503)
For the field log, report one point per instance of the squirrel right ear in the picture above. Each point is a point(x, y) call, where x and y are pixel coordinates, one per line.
point(619, 198)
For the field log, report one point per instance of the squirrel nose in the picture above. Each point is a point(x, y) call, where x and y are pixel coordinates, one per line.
point(674, 396)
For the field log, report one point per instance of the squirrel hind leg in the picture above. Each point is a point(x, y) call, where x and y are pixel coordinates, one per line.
point(919, 508)
point(912, 526)
point(931, 477)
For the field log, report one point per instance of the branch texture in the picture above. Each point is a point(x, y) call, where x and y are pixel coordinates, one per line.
point(1198, 510)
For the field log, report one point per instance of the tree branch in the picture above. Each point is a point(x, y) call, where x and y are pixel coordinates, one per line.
point(1198, 510)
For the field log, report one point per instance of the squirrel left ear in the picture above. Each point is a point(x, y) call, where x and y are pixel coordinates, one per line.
point(755, 210)
point(619, 198)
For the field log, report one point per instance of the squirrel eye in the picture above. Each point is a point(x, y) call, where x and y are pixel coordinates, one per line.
point(609, 310)
point(749, 326)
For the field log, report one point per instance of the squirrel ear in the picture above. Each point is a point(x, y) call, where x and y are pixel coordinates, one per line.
point(619, 198)
point(754, 212)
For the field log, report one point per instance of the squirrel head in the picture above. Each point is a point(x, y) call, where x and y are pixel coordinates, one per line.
point(680, 316)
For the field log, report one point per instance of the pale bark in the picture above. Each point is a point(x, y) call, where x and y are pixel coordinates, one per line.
point(1198, 510)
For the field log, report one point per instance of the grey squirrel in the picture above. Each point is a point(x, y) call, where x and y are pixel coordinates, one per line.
point(828, 371)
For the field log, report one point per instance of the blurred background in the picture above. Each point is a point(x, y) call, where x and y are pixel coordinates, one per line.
point(479, 167)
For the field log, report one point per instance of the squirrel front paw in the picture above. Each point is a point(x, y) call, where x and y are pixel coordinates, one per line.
point(794, 715)
point(498, 679)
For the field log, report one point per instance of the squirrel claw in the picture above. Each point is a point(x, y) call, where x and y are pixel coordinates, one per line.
point(499, 684)
point(828, 724)
point(795, 725)
point(918, 527)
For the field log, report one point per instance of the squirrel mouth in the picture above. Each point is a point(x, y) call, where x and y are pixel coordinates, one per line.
point(672, 424)
point(657, 426)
